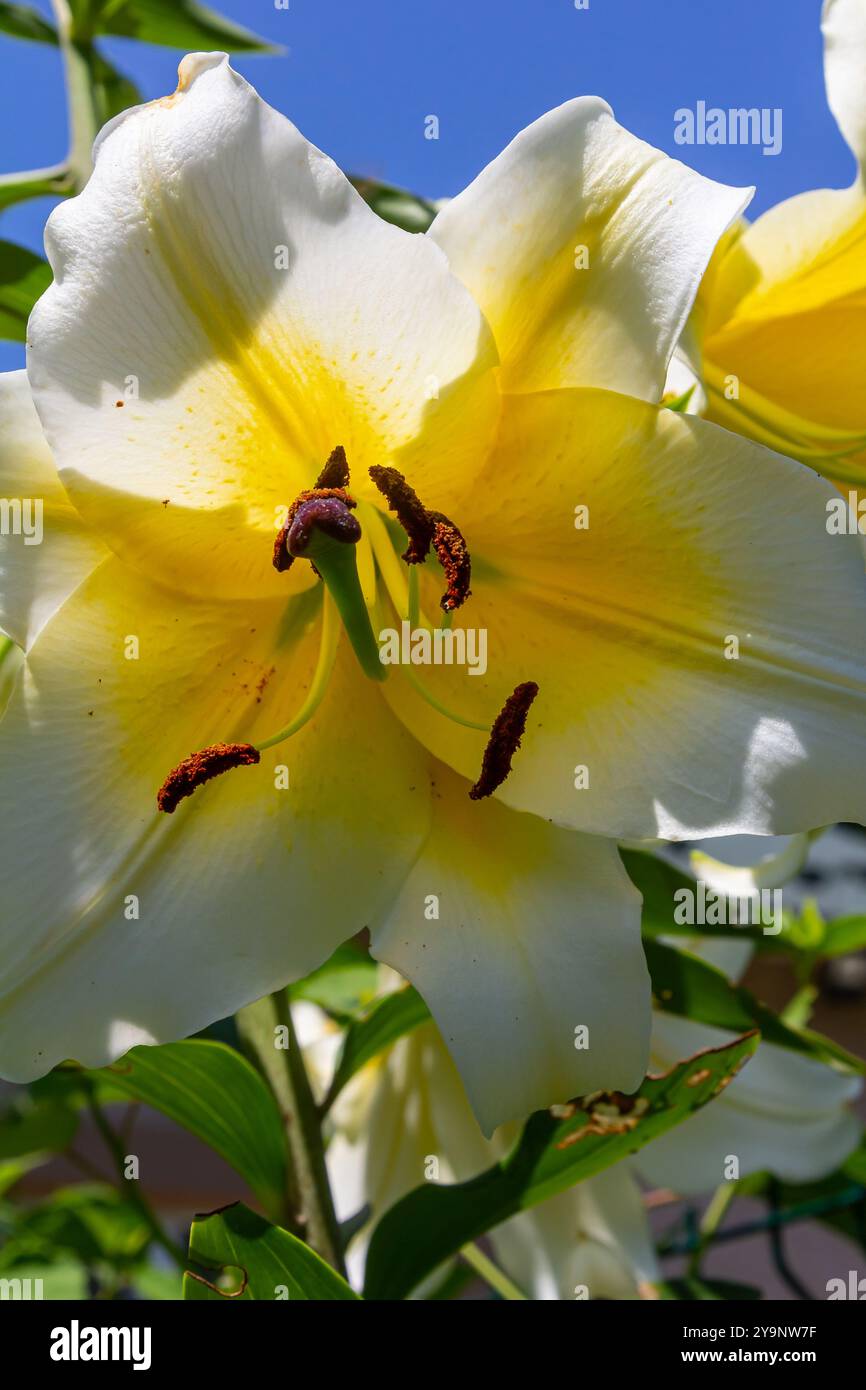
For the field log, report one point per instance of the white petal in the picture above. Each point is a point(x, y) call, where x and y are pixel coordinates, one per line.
point(45, 551)
point(537, 933)
point(783, 1112)
point(768, 871)
point(596, 1234)
point(843, 23)
point(129, 923)
point(576, 181)
point(699, 646)
point(226, 310)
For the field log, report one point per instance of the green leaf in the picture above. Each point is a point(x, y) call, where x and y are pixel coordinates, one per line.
point(433, 1222)
point(54, 182)
point(240, 1256)
point(844, 935)
point(88, 1221)
point(345, 983)
point(212, 1091)
point(112, 91)
point(66, 1281)
point(24, 23)
point(684, 984)
point(389, 1019)
point(13, 1170)
point(658, 882)
point(173, 23)
point(396, 205)
point(157, 1285)
point(48, 1128)
point(680, 403)
point(23, 278)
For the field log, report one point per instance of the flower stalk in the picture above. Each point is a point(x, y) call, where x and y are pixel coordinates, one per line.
point(129, 1188)
point(309, 1208)
point(82, 102)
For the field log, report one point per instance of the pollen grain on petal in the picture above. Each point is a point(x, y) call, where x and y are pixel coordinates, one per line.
point(201, 767)
point(508, 729)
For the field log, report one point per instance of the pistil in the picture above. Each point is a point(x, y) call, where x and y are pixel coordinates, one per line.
point(325, 532)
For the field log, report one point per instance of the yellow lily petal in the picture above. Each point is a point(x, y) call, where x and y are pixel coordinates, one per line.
point(782, 310)
point(226, 310)
point(124, 925)
point(45, 551)
point(585, 246)
point(785, 313)
point(687, 686)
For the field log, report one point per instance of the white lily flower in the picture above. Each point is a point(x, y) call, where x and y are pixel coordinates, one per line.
point(226, 312)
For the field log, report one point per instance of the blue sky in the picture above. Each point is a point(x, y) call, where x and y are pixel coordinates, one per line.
point(360, 76)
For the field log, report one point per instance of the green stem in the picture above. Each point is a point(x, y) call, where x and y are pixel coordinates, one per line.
point(54, 181)
point(128, 1187)
point(81, 98)
point(392, 569)
point(425, 694)
point(337, 563)
point(306, 1146)
point(777, 1246)
point(321, 676)
point(492, 1274)
point(414, 612)
point(710, 1223)
point(852, 1196)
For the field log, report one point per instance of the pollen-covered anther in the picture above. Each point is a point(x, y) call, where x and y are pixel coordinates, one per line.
point(413, 516)
point(201, 767)
point(455, 560)
point(425, 528)
point(336, 471)
point(508, 729)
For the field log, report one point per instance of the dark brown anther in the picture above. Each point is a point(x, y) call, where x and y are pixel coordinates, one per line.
point(508, 729)
point(455, 560)
point(335, 472)
point(199, 768)
point(425, 528)
point(410, 511)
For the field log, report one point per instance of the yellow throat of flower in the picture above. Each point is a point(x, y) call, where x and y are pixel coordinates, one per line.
point(322, 526)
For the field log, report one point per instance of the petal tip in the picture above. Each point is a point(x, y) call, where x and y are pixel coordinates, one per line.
point(193, 65)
